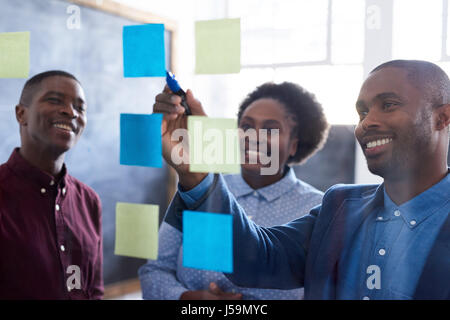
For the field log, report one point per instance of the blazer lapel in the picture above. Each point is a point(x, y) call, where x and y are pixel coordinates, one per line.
point(434, 282)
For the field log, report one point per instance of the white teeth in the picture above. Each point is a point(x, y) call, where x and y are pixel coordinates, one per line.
point(62, 126)
point(379, 142)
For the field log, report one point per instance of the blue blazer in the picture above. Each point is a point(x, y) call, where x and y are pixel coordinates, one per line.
point(306, 251)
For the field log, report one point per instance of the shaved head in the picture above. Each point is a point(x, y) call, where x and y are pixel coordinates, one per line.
point(33, 84)
point(426, 76)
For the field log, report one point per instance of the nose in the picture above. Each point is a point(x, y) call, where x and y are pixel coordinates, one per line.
point(371, 120)
point(69, 110)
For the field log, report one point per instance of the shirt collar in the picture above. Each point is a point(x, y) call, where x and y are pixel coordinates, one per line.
point(271, 192)
point(421, 206)
point(24, 169)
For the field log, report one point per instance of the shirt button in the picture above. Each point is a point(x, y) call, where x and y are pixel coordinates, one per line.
point(62, 248)
point(52, 182)
point(379, 218)
point(381, 252)
point(64, 191)
point(57, 207)
point(366, 298)
point(43, 190)
point(396, 213)
point(412, 222)
point(255, 193)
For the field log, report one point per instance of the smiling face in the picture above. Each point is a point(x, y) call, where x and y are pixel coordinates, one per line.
point(267, 114)
point(395, 130)
point(56, 115)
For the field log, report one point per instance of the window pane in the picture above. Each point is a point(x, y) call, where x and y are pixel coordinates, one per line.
point(417, 29)
point(281, 31)
point(221, 94)
point(335, 87)
point(347, 40)
point(300, 30)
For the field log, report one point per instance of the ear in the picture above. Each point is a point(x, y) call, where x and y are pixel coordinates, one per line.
point(443, 116)
point(293, 147)
point(21, 115)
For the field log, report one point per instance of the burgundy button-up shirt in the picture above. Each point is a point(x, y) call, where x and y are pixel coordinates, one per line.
point(50, 235)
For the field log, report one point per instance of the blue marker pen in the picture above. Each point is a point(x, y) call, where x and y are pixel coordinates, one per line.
point(176, 89)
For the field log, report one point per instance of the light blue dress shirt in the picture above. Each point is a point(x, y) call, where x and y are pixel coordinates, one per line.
point(391, 247)
point(275, 204)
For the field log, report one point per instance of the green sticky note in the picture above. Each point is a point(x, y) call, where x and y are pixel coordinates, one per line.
point(218, 46)
point(137, 230)
point(14, 55)
point(213, 145)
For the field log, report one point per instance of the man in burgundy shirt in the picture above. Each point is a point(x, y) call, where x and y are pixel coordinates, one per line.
point(50, 223)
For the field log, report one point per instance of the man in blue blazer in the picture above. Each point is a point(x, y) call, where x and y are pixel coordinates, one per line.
point(388, 241)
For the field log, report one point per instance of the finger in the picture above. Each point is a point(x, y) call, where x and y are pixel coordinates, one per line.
point(214, 288)
point(166, 108)
point(168, 98)
point(194, 104)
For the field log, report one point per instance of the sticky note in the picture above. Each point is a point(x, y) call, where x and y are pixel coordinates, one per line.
point(208, 241)
point(137, 230)
point(218, 46)
point(213, 145)
point(140, 140)
point(143, 51)
point(14, 55)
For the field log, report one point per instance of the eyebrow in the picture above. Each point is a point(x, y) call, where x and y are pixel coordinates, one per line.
point(272, 122)
point(385, 95)
point(62, 95)
point(265, 122)
point(381, 96)
point(247, 118)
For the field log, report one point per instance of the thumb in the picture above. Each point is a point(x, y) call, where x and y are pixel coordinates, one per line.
point(194, 104)
point(214, 288)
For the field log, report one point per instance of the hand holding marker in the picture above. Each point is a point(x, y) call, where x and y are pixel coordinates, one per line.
point(176, 89)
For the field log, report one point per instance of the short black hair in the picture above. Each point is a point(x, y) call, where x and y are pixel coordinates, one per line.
point(29, 89)
point(426, 76)
point(311, 126)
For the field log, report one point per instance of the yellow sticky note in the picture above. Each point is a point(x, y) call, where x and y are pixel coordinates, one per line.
point(218, 46)
point(213, 145)
point(14, 55)
point(137, 230)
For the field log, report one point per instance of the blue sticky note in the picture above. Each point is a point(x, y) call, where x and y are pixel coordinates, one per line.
point(208, 241)
point(143, 51)
point(140, 140)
